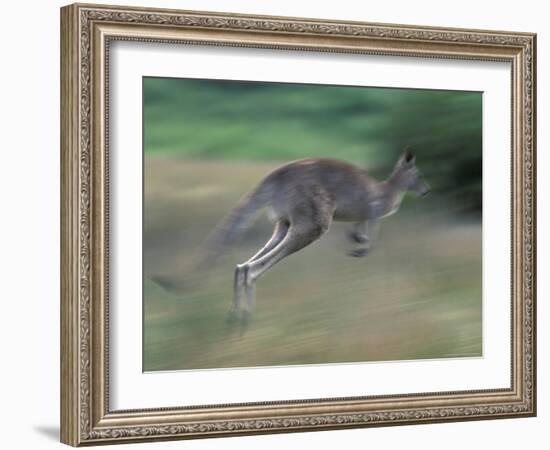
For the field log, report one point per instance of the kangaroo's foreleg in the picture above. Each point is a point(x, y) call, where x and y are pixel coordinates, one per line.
point(241, 287)
point(359, 233)
point(364, 234)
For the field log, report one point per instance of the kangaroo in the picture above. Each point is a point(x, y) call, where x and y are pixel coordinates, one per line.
point(303, 198)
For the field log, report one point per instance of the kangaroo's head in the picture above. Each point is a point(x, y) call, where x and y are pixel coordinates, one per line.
point(407, 176)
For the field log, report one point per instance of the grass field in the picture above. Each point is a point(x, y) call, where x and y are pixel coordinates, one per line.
point(417, 295)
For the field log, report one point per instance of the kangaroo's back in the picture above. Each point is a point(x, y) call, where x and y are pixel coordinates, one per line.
point(345, 186)
point(331, 173)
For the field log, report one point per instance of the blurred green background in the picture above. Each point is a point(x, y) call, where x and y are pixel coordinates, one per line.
point(238, 120)
point(417, 295)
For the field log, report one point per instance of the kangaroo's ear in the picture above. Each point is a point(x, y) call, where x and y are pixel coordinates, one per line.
point(408, 156)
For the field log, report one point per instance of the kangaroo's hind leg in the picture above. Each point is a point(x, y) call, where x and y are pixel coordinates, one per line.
point(281, 230)
point(241, 288)
point(298, 236)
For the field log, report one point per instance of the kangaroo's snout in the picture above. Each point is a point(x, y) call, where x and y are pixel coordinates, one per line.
point(424, 190)
point(420, 187)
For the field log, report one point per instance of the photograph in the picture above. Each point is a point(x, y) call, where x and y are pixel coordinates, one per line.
point(295, 224)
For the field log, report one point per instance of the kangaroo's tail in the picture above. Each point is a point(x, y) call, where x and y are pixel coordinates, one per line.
point(233, 226)
point(218, 241)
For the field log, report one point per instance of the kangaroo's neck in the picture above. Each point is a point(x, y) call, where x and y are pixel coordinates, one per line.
point(391, 191)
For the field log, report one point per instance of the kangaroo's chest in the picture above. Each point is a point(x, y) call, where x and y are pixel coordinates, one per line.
point(352, 208)
point(365, 207)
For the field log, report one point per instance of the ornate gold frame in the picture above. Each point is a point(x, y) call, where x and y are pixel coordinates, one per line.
point(86, 31)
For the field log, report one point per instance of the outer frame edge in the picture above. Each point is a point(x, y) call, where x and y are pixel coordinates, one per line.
point(69, 308)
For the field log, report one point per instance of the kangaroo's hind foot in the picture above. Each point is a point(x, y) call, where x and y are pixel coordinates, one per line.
point(232, 316)
point(241, 310)
point(235, 312)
